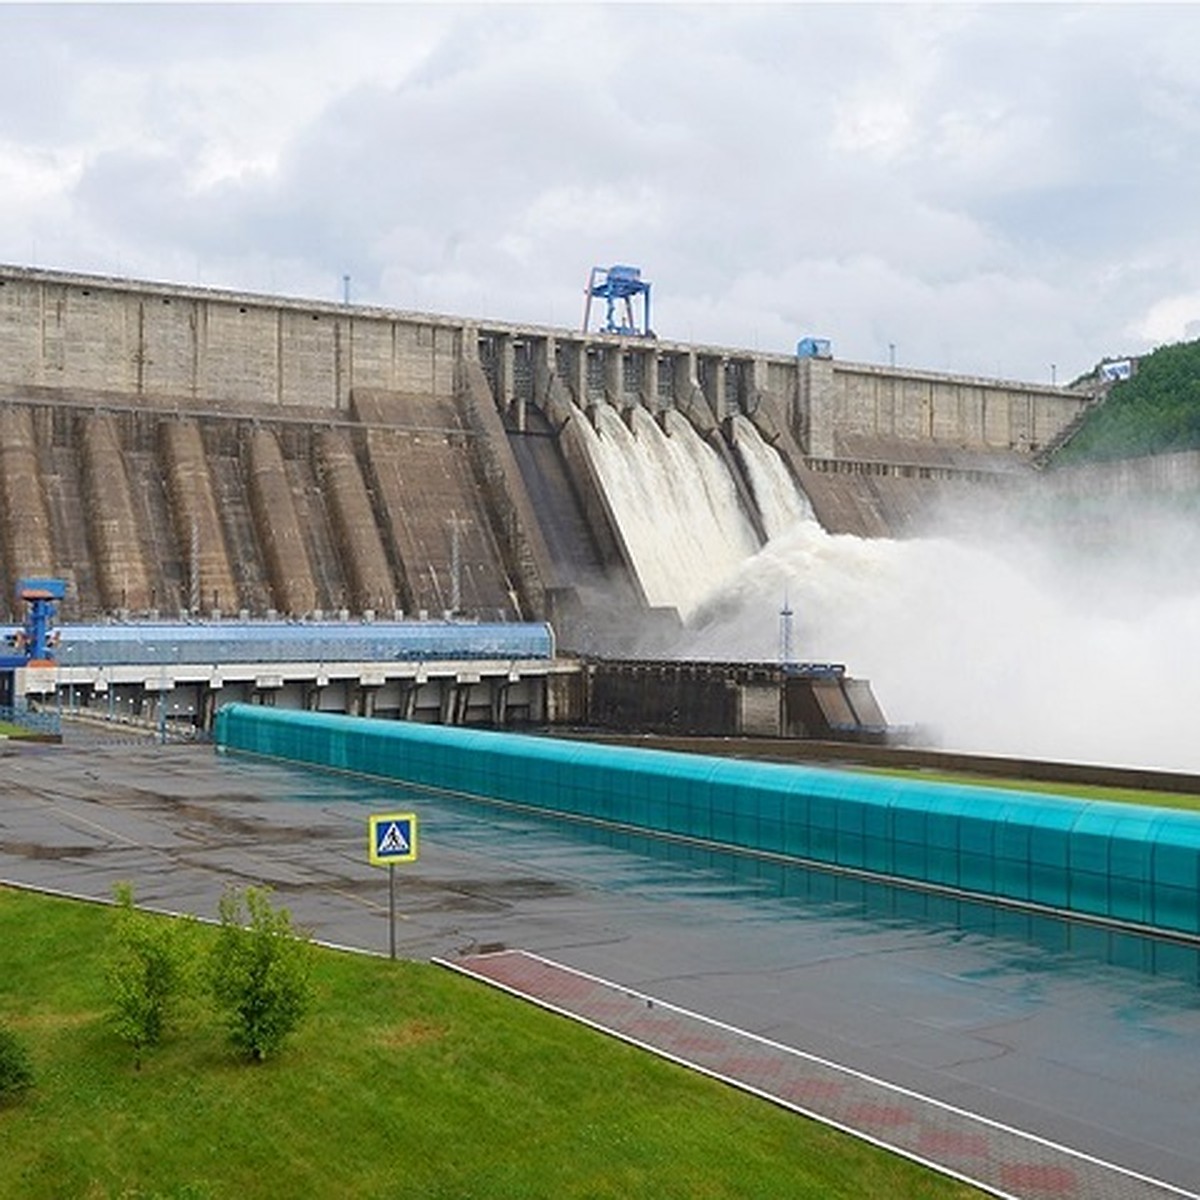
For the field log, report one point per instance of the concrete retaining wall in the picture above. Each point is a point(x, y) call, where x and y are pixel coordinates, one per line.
point(848, 400)
point(156, 341)
point(1152, 474)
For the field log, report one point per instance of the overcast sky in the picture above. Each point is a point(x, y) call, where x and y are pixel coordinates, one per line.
point(991, 189)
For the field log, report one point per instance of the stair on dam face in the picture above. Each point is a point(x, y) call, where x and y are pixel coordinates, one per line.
point(312, 518)
point(61, 479)
point(198, 526)
point(364, 559)
point(230, 486)
point(152, 515)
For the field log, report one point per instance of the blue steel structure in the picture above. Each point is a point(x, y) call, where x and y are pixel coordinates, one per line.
point(619, 285)
point(169, 642)
point(1128, 865)
point(814, 347)
point(36, 640)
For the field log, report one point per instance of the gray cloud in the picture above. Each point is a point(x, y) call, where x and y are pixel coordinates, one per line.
point(990, 189)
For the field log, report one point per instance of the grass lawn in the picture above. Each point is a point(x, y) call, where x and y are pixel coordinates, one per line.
point(10, 730)
point(1080, 791)
point(406, 1080)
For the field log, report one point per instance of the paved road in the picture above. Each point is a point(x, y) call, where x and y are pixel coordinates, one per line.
point(1024, 1022)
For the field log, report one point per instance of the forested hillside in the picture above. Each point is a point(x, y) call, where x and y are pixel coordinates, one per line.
point(1155, 412)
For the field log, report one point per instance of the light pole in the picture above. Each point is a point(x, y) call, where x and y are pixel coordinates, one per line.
point(163, 689)
point(162, 702)
point(153, 652)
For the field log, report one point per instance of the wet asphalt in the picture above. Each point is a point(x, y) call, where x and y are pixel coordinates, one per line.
point(1086, 1039)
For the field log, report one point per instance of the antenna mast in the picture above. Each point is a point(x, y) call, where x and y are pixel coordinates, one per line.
point(785, 633)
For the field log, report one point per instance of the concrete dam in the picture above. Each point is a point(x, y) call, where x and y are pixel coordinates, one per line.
point(173, 450)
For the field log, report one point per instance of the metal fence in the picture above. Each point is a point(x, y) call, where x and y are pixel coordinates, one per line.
point(33, 720)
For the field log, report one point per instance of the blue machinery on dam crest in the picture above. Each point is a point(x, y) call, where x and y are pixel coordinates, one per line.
point(1129, 867)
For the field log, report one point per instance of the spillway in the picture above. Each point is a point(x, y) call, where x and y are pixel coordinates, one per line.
point(447, 513)
point(431, 463)
point(124, 583)
point(781, 502)
point(677, 505)
point(680, 507)
point(293, 586)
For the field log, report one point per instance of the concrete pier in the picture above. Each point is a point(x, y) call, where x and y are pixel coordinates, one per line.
point(293, 587)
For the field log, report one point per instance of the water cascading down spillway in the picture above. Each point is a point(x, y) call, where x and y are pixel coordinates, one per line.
point(781, 503)
point(677, 506)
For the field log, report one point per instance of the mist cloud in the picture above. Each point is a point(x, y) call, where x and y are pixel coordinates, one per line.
point(1031, 635)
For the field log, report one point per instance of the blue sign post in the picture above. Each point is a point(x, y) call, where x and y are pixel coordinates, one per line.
point(392, 839)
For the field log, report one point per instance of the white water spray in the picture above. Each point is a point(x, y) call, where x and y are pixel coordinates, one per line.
point(1006, 645)
point(782, 505)
point(998, 640)
point(675, 504)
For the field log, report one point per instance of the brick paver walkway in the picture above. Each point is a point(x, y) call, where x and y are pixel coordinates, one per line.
point(1000, 1160)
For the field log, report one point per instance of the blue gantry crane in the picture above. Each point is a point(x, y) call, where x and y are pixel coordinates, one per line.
point(619, 286)
point(36, 641)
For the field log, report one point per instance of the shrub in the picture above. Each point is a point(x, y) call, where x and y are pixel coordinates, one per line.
point(145, 972)
point(259, 972)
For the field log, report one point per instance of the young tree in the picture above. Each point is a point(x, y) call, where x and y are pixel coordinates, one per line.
point(146, 972)
point(259, 971)
point(16, 1071)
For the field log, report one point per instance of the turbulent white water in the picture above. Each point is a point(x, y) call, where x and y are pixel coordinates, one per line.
point(675, 504)
point(781, 503)
point(1015, 646)
point(1002, 640)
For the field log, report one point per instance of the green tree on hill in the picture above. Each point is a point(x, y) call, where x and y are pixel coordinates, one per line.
point(1155, 412)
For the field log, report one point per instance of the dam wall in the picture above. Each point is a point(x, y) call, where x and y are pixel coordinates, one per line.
point(185, 450)
point(1176, 474)
point(93, 335)
point(144, 340)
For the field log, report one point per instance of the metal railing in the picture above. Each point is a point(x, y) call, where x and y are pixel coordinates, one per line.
point(34, 720)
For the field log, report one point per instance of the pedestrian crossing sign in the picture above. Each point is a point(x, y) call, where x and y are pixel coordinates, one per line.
point(392, 838)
